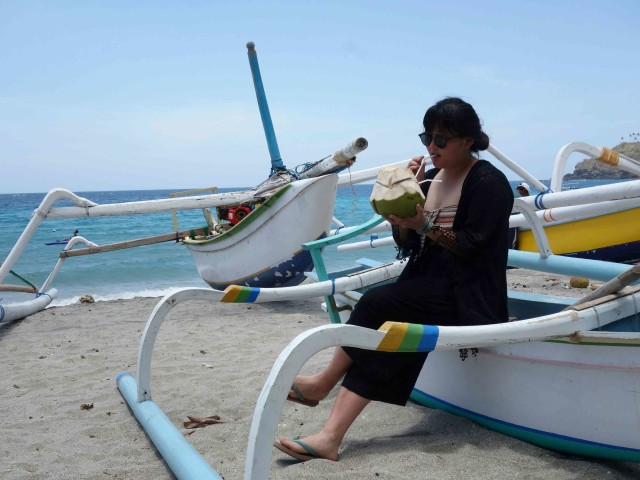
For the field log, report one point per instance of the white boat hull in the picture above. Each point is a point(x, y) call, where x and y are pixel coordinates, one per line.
point(579, 398)
point(253, 255)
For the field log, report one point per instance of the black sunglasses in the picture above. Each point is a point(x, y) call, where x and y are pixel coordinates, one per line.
point(440, 140)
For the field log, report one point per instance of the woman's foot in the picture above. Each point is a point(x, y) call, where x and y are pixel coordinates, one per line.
point(308, 391)
point(315, 446)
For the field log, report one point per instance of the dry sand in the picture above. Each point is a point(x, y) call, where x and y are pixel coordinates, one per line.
point(63, 417)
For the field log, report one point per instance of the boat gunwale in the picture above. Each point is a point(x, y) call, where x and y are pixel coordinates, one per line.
point(244, 223)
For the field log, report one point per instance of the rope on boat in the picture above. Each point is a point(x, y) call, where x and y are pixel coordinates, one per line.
point(300, 169)
point(608, 156)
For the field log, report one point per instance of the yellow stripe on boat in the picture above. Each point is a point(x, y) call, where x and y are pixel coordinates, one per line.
point(394, 334)
point(238, 294)
point(587, 234)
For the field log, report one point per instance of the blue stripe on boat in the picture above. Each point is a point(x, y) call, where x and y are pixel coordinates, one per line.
point(253, 294)
point(551, 441)
point(430, 334)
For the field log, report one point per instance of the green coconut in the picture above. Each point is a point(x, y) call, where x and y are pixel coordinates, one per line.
point(396, 192)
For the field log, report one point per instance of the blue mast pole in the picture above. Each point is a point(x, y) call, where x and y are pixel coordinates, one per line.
point(269, 132)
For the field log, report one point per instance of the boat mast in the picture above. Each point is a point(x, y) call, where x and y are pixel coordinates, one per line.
point(276, 161)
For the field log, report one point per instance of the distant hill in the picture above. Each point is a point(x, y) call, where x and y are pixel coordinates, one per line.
point(592, 169)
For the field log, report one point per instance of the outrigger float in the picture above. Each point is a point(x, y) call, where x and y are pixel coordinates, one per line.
point(563, 375)
point(38, 299)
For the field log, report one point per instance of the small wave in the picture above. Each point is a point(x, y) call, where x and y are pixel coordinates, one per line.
point(146, 293)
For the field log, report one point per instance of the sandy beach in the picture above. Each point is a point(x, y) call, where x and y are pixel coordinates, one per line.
point(63, 416)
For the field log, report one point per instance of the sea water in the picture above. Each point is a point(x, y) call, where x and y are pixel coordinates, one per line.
point(147, 271)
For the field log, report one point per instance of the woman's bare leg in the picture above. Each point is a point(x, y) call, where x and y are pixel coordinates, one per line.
point(327, 441)
point(318, 386)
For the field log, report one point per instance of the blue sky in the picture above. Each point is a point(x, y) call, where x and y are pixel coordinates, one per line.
point(118, 95)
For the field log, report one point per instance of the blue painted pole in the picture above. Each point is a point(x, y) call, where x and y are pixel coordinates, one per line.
point(183, 460)
point(594, 269)
point(269, 132)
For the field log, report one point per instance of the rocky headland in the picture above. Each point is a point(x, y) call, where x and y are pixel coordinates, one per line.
point(592, 169)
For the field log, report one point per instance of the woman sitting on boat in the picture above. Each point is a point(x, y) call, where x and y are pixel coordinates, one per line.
point(455, 275)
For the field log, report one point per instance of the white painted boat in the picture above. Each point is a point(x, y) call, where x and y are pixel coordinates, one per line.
point(566, 380)
point(252, 252)
point(528, 380)
point(563, 376)
point(577, 394)
point(263, 249)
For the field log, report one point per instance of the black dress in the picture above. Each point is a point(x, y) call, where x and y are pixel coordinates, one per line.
point(438, 286)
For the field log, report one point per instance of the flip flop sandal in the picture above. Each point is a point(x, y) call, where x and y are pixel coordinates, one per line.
point(310, 455)
point(299, 398)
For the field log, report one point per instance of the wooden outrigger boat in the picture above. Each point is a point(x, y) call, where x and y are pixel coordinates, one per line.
point(244, 253)
point(237, 247)
point(563, 375)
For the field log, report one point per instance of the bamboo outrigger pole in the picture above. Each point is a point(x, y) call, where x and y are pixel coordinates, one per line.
point(167, 237)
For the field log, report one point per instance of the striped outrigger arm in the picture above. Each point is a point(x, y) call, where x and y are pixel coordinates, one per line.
point(238, 294)
point(408, 337)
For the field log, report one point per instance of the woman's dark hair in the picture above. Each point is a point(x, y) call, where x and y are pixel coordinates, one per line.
point(459, 117)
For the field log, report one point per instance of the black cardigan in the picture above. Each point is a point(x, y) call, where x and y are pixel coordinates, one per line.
point(478, 271)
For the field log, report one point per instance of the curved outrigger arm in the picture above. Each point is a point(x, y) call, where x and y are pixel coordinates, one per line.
point(37, 217)
point(534, 222)
point(239, 294)
point(152, 327)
